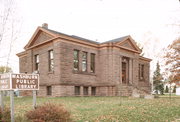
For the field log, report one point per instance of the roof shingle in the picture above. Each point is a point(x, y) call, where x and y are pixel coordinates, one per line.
point(116, 40)
point(87, 40)
point(73, 36)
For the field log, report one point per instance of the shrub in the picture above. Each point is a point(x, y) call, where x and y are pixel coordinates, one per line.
point(49, 112)
point(5, 115)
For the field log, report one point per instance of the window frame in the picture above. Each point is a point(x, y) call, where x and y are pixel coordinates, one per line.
point(84, 61)
point(75, 60)
point(124, 70)
point(141, 72)
point(85, 91)
point(51, 60)
point(76, 90)
point(36, 58)
point(93, 91)
point(49, 90)
point(92, 62)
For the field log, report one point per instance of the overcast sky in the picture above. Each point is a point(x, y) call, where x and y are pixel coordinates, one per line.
point(149, 22)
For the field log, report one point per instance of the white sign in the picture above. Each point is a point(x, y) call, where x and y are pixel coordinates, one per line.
point(4, 81)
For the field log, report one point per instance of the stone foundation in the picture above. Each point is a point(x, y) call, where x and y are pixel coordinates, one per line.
point(67, 90)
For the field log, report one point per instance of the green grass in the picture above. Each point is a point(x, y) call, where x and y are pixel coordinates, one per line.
point(169, 95)
point(110, 109)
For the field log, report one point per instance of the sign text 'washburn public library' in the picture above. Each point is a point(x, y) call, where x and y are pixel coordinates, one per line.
point(19, 81)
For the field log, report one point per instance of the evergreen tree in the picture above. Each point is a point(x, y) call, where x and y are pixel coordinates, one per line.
point(161, 88)
point(167, 89)
point(157, 80)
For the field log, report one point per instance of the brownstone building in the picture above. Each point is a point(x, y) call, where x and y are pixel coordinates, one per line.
point(73, 66)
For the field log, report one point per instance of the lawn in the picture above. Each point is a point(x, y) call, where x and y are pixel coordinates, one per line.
point(110, 109)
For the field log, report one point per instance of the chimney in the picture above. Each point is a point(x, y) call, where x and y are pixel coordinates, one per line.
point(45, 25)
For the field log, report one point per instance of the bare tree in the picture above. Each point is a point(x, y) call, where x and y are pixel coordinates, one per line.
point(172, 61)
point(172, 52)
point(8, 30)
point(6, 9)
point(140, 47)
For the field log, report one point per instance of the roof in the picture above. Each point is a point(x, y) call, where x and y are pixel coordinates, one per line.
point(55, 32)
point(144, 58)
point(117, 39)
point(118, 42)
point(88, 40)
point(77, 37)
point(73, 36)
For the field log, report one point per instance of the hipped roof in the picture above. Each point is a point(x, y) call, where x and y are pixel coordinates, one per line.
point(56, 34)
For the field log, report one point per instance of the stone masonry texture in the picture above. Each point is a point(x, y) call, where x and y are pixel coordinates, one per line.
point(105, 81)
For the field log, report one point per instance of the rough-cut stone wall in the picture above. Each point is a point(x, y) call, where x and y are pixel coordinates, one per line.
point(41, 37)
point(23, 64)
point(146, 71)
point(135, 70)
point(47, 78)
point(71, 77)
point(105, 66)
point(108, 70)
point(42, 91)
point(144, 84)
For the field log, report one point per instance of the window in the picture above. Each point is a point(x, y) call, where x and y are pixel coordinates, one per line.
point(49, 90)
point(76, 60)
point(84, 61)
point(92, 62)
point(85, 90)
point(51, 60)
point(77, 90)
point(123, 72)
point(141, 71)
point(93, 91)
point(37, 62)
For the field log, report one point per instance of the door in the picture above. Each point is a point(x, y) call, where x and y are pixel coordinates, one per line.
point(124, 72)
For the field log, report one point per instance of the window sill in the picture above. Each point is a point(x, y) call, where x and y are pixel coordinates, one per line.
point(83, 73)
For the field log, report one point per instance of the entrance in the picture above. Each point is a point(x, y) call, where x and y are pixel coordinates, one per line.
point(125, 70)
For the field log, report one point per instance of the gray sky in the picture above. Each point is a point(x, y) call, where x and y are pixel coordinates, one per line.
point(147, 21)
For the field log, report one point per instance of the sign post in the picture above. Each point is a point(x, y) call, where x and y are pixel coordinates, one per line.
point(1, 100)
point(4, 85)
point(13, 82)
point(34, 99)
point(12, 105)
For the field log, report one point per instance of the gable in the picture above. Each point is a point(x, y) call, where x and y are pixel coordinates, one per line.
point(40, 38)
point(129, 44)
point(40, 35)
